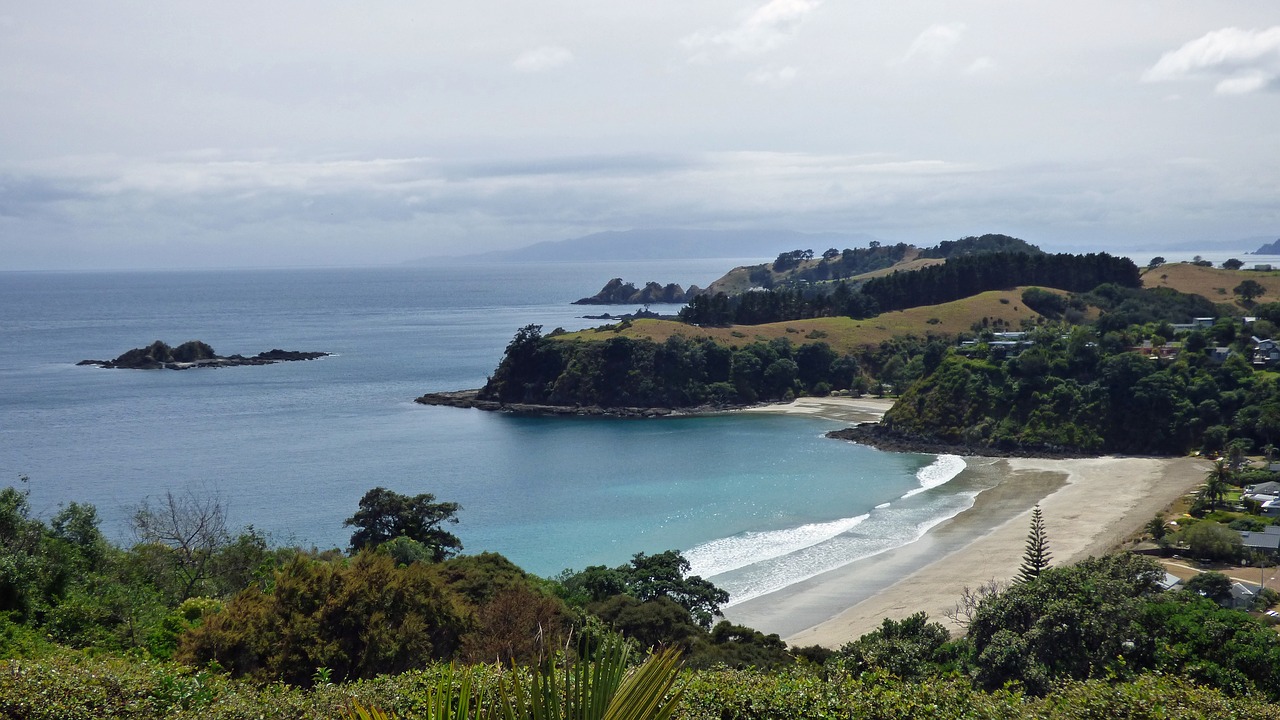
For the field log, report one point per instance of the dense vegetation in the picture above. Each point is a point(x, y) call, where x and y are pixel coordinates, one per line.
point(621, 372)
point(1093, 640)
point(1073, 389)
point(961, 276)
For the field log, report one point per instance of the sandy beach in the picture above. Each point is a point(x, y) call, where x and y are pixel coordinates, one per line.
point(844, 409)
point(1090, 506)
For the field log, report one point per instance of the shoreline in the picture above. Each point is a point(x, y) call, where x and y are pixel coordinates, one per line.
point(1087, 512)
point(840, 408)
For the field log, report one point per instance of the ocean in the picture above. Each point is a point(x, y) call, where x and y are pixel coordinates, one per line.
point(756, 501)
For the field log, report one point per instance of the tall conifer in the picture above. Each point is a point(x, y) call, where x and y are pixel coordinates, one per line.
point(1037, 556)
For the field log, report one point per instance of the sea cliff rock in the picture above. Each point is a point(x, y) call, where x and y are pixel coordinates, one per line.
point(617, 292)
point(471, 399)
point(192, 354)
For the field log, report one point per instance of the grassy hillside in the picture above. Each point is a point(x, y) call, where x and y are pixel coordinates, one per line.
point(1214, 284)
point(998, 307)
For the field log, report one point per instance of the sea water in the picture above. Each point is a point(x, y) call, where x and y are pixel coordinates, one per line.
point(755, 501)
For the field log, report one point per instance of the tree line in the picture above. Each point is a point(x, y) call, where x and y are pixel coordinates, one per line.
point(624, 372)
point(959, 277)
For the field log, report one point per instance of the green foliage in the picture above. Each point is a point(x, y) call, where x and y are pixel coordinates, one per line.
point(1074, 622)
point(907, 648)
point(385, 515)
point(963, 275)
point(1249, 289)
point(622, 372)
point(1211, 585)
point(1049, 304)
point(1211, 541)
point(358, 618)
point(1072, 390)
point(1036, 557)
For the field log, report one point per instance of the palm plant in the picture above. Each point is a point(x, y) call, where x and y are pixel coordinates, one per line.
point(1215, 485)
point(602, 689)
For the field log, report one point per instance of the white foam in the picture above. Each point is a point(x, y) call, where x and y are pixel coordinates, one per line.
point(725, 554)
point(835, 553)
point(882, 506)
point(937, 473)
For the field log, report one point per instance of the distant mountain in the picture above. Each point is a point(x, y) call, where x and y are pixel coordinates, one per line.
point(673, 244)
point(1269, 248)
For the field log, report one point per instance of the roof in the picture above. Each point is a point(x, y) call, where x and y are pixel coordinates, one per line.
point(1266, 488)
point(1240, 591)
point(1260, 540)
point(1170, 581)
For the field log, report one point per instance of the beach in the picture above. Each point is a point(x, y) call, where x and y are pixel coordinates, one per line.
point(1090, 506)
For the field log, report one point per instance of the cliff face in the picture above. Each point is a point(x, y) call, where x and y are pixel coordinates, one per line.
point(617, 292)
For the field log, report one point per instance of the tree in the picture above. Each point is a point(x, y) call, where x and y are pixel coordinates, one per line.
point(1037, 556)
point(1214, 490)
point(1212, 541)
point(663, 575)
point(1212, 585)
point(1156, 527)
point(1156, 262)
point(1249, 289)
point(1232, 264)
point(385, 515)
point(193, 526)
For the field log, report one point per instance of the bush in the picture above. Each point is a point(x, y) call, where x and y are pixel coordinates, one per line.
point(1211, 541)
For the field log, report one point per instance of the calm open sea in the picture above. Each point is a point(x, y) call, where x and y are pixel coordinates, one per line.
point(757, 502)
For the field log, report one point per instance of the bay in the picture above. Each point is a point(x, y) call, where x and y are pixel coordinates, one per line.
point(291, 447)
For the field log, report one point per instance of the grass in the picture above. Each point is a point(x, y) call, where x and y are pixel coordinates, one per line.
point(1213, 284)
point(841, 333)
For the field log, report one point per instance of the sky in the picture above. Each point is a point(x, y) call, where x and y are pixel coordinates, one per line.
point(321, 133)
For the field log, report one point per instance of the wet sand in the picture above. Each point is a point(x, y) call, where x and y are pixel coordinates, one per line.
point(1090, 506)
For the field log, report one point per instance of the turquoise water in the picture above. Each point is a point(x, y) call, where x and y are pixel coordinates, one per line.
point(757, 501)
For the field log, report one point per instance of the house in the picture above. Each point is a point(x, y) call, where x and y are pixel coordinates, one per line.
point(1262, 267)
point(1170, 582)
point(1262, 541)
point(1242, 596)
point(1204, 322)
point(1271, 489)
point(1167, 351)
point(1219, 355)
point(1266, 352)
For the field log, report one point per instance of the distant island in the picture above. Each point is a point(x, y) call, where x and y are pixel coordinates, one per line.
point(193, 354)
point(664, 244)
point(1271, 248)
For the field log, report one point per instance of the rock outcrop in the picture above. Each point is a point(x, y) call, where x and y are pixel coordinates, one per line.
point(617, 292)
point(192, 354)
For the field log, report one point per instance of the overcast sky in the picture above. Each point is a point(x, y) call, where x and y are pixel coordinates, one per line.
point(179, 134)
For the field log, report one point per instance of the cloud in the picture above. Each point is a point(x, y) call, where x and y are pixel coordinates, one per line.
point(547, 57)
point(765, 29)
point(773, 76)
point(1246, 60)
point(981, 66)
point(935, 43)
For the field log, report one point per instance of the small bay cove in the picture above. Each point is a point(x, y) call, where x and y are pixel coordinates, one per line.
point(795, 525)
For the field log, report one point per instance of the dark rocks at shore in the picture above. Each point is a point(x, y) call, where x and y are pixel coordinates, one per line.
point(882, 438)
point(471, 399)
point(193, 354)
point(617, 292)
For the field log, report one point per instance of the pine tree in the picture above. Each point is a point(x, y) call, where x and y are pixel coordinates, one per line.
point(1037, 556)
